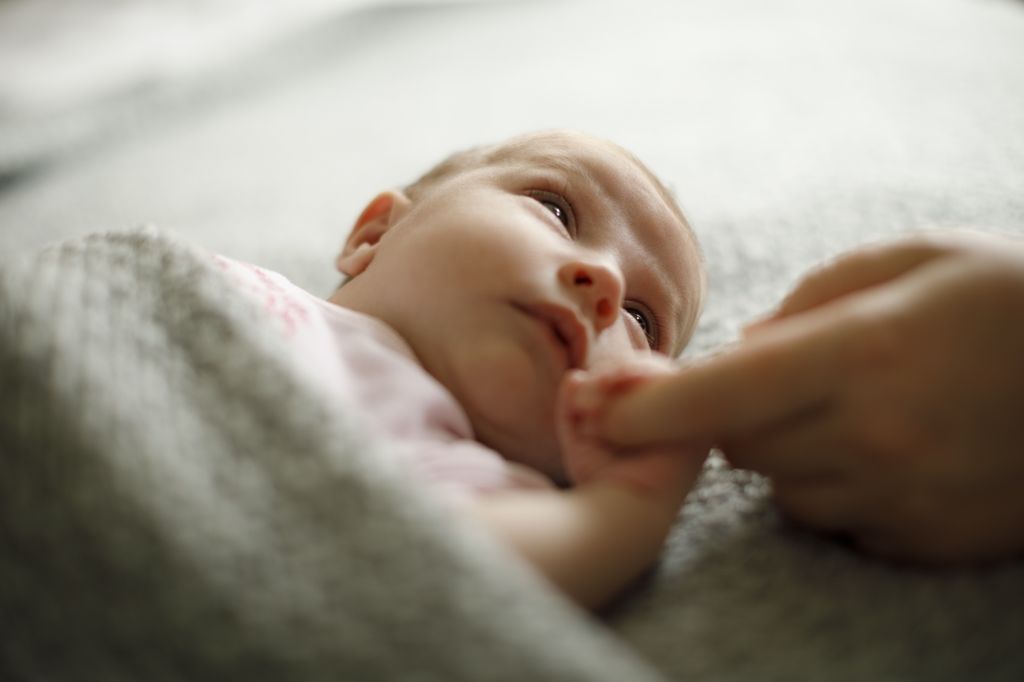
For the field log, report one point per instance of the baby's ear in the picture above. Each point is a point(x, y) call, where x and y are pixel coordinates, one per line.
point(376, 219)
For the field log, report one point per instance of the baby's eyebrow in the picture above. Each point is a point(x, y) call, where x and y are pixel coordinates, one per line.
point(551, 158)
point(564, 164)
point(671, 310)
point(681, 315)
point(677, 283)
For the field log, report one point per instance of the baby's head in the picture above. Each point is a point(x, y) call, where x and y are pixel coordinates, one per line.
point(506, 266)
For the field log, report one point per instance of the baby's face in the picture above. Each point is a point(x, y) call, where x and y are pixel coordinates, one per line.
point(562, 253)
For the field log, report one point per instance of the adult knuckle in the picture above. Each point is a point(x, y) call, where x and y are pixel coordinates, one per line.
point(931, 242)
point(878, 344)
point(814, 277)
point(999, 285)
point(889, 438)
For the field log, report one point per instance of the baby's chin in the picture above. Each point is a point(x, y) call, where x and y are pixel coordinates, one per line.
point(518, 424)
point(540, 454)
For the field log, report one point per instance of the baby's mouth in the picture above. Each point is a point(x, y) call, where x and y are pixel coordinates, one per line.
point(565, 327)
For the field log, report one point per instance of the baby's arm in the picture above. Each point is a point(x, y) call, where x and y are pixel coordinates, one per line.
point(592, 540)
point(589, 541)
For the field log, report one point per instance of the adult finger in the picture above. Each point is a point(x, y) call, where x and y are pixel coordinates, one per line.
point(829, 504)
point(854, 271)
point(808, 446)
point(787, 370)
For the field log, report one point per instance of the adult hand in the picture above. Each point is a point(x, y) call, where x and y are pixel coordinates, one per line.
point(884, 399)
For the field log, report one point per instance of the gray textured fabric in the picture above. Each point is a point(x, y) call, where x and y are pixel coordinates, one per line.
point(790, 130)
point(177, 505)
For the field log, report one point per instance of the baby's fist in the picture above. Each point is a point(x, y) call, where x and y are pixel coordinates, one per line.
point(582, 401)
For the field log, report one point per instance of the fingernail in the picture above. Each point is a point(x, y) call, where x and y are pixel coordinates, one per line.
point(621, 383)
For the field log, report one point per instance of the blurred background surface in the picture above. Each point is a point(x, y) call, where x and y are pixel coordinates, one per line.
point(789, 129)
point(261, 128)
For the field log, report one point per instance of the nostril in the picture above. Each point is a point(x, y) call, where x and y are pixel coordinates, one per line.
point(582, 278)
point(604, 308)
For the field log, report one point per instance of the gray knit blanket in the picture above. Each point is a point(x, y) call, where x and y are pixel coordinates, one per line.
point(177, 503)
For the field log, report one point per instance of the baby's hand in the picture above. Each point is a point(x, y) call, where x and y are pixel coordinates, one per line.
point(662, 471)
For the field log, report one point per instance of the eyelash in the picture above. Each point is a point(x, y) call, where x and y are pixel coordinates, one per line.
point(561, 203)
point(558, 201)
point(652, 332)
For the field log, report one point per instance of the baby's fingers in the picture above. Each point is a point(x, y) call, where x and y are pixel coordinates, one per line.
point(664, 471)
point(660, 472)
point(582, 452)
point(586, 394)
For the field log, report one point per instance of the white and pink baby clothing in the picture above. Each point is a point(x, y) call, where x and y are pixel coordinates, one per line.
point(362, 360)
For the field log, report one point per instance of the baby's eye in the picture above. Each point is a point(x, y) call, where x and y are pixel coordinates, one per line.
point(646, 323)
point(557, 210)
point(557, 205)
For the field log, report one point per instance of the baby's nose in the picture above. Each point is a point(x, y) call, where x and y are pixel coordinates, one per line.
point(597, 289)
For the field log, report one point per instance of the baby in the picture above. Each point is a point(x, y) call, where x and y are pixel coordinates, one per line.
point(474, 301)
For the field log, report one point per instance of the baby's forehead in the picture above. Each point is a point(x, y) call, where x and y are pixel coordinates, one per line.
point(580, 155)
point(574, 154)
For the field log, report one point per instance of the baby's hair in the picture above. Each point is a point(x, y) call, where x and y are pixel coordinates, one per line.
point(477, 157)
point(458, 162)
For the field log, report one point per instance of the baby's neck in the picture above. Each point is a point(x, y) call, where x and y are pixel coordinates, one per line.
point(381, 331)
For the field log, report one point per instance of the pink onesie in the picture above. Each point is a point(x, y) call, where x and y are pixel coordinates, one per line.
point(363, 361)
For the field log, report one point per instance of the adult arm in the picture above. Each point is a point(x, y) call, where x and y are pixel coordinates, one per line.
point(885, 399)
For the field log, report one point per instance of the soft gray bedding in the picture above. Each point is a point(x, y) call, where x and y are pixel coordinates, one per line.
point(179, 503)
point(141, 535)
